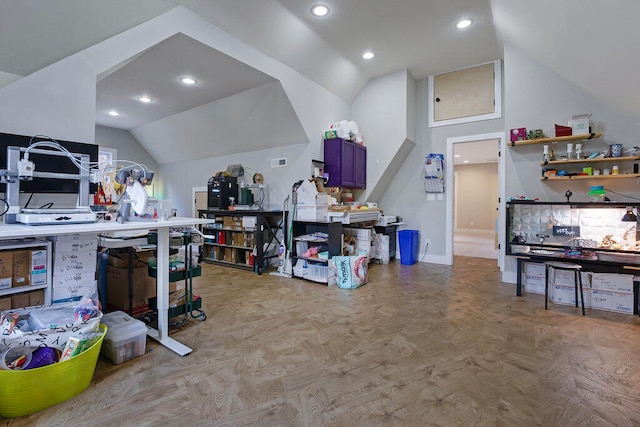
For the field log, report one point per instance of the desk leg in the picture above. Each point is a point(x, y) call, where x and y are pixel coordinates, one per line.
point(162, 333)
point(519, 278)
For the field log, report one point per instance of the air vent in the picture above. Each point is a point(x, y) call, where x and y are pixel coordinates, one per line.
point(279, 163)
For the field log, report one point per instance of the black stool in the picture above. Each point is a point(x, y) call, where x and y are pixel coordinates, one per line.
point(577, 279)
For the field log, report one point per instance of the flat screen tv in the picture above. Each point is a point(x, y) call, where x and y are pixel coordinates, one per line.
point(46, 163)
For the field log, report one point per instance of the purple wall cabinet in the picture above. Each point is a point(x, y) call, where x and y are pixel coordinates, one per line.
point(346, 163)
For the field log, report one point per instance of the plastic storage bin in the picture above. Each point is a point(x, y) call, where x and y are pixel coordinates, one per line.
point(126, 338)
point(26, 392)
point(409, 246)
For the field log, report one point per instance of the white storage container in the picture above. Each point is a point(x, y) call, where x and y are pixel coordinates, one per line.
point(126, 337)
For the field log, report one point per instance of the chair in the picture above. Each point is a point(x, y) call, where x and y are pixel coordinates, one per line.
point(577, 281)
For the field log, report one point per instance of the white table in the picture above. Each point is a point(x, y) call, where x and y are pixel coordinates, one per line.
point(19, 231)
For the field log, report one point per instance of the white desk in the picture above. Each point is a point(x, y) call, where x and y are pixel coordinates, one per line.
point(20, 231)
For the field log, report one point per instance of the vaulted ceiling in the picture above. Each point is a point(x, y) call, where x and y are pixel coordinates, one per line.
point(591, 44)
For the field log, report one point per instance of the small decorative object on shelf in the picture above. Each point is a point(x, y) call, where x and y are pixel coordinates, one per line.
point(535, 134)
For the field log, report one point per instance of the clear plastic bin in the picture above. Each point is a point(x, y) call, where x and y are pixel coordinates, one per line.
point(126, 338)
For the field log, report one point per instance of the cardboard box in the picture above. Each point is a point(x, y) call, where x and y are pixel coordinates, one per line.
point(618, 302)
point(320, 199)
point(5, 304)
point(121, 260)
point(118, 287)
point(6, 269)
point(567, 278)
point(74, 242)
point(534, 269)
point(534, 284)
point(36, 298)
point(20, 300)
point(73, 292)
point(66, 263)
point(73, 237)
point(566, 295)
point(38, 267)
point(143, 286)
point(21, 268)
point(312, 213)
point(72, 279)
point(612, 282)
point(232, 223)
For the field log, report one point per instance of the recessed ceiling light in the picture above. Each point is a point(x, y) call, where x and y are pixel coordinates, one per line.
point(461, 24)
point(320, 10)
point(188, 80)
point(114, 113)
point(465, 161)
point(368, 55)
point(145, 99)
point(457, 155)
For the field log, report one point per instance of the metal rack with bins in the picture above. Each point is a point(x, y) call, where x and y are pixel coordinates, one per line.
point(242, 247)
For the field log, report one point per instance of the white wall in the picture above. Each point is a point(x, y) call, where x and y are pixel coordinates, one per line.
point(252, 120)
point(383, 111)
point(406, 195)
point(476, 196)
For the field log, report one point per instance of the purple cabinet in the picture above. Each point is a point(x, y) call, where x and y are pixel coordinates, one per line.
point(346, 163)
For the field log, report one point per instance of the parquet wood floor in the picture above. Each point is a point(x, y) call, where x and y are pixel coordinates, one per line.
point(421, 345)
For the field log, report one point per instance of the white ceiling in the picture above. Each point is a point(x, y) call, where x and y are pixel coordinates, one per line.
point(590, 43)
point(156, 73)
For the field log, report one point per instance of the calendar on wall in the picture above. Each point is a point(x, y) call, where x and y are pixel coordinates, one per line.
point(434, 173)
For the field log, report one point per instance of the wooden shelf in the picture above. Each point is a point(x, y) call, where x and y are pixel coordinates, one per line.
point(556, 139)
point(581, 161)
point(565, 178)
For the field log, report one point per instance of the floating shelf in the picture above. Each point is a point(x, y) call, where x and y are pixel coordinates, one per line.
point(581, 161)
point(566, 178)
point(556, 139)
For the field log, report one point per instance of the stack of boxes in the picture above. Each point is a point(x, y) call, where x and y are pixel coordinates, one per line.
point(312, 206)
point(612, 292)
point(21, 268)
point(602, 291)
point(74, 266)
point(143, 287)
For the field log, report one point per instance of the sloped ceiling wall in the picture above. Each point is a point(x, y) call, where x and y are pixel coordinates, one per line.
point(256, 119)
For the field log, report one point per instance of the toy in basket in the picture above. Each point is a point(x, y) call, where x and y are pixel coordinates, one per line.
point(25, 392)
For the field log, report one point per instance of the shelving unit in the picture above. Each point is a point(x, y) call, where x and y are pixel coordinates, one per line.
point(234, 245)
point(306, 235)
point(188, 304)
point(11, 245)
point(556, 139)
point(579, 162)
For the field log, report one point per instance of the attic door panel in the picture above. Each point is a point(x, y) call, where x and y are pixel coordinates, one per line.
point(464, 93)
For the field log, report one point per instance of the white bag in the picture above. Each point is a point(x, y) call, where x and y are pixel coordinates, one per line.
point(54, 334)
point(351, 271)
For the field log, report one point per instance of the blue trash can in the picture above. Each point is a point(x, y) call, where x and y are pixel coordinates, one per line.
point(409, 246)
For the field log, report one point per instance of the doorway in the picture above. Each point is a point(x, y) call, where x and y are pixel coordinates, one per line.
point(477, 221)
point(475, 204)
